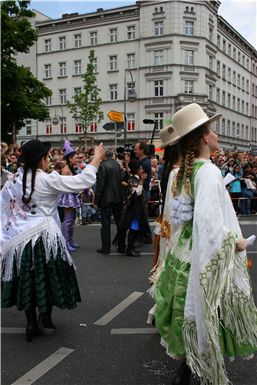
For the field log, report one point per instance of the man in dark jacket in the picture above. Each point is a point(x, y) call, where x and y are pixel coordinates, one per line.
point(108, 197)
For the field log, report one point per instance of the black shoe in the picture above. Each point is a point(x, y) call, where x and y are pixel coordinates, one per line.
point(183, 375)
point(102, 251)
point(121, 250)
point(132, 253)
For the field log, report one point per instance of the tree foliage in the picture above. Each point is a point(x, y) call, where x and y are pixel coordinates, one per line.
point(87, 105)
point(22, 94)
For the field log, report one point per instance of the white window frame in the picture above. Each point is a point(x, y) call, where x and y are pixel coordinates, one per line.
point(158, 117)
point(93, 38)
point(158, 87)
point(158, 28)
point(189, 57)
point(94, 63)
point(77, 67)
point(189, 86)
point(77, 40)
point(113, 91)
point(62, 69)
point(131, 121)
point(77, 91)
point(189, 28)
point(48, 71)
point(131, 60)
point(48, 45)
point(113, 35)
point(28, 127)
point(158, 57)
point(48, 100)
point(131, 32)
point(113, 63)
point(62, 42)
point(63, 96)
point(210, 91)
point(218, 95)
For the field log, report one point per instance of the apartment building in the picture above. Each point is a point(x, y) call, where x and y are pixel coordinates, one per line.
point(170, 53)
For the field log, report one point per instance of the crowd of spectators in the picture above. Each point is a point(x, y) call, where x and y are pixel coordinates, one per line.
point(242, 165)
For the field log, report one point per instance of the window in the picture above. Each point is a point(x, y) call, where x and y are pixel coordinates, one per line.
point(77, 91)
point(113, 63)
point(243, 107)
point(228, 128)
point(218, 95)
point(93, 94)
point(28, 127)
point(158, 28)
point(93, 125)
point(234, 77)
point(238, 80)
point(210, 33)
point(218, 41)
point(94, 64)
point(223, 98)
point(62, 96)
point(243, 131)
point(158, 117)
point(233, 129)
point(158, 57)
point(217, 126)
point(131, 32)
point(247, 85)
point(131, 122)
point(78, 128)
point(247, 108)
point(239, 57)
point(229, 49)
point(77, 67)
point(48, 127)
point(211, 62)
point(229, 74)
point(158, 88)
point(247, 64)
point(188, 86)
point(113, 35)
point(48, 45)
point(77, 40)
point(223, 71)
point(48, 71)
point(131, 60)
point(246, 132)
point(62, 42)
point(189, 57)
point(234, 103)
point(93, 38)
point(62, 69)
point(234, 53)
point(238, 105)
point(48, 100)
point(210, 91)
point(63, 125)
point(218, 67)
point(243, 60)
point(131, 87)
point(189, 28)
point(223, 129)
point(113, 91)
point(243, 83)
point(224, 45)
point(229, 100)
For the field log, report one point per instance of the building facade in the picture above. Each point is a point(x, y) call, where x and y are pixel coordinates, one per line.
point(170, 52)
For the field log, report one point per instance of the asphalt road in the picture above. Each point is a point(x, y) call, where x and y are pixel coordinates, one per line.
point(105, 340)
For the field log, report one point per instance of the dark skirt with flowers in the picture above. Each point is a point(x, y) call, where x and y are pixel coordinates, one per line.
point(40, 284)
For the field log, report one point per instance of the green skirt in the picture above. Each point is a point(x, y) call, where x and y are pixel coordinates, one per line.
point(40, 284)
point(170, 297)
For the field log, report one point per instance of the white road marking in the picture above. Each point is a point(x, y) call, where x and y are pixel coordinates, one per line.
point(134, 331)
point(6, 330)
point(118, 309)
point(143, 253)
point(248, 222)
point(39, 370)
point(251, 252)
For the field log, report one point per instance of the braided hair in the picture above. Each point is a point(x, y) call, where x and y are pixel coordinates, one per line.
point(171, 156)
point(33, 166)
point(190, 149)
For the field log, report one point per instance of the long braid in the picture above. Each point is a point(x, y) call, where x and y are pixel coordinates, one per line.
point(178, 181)
point(189, 158)
point(33, 167)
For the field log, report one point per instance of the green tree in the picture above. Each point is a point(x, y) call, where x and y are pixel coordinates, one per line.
point(87, 104)
point(22, 94)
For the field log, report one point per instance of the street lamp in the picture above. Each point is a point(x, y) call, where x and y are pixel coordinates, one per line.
point(55, 121)
point(130, 95)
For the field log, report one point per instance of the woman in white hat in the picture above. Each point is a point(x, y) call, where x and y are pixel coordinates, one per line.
point(205, 308)
point(37, 270)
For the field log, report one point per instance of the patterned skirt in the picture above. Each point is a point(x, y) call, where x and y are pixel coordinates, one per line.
point(170, 297)
point(40, 284)
point(69, 200)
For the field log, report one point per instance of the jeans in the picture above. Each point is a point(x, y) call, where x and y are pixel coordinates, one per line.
point(245, 204)
point(106, 214)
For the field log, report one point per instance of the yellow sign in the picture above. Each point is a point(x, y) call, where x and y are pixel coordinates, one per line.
point(116, 116)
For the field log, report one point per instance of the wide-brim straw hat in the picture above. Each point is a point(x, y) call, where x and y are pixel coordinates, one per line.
point(189, 118)
point(168, 136)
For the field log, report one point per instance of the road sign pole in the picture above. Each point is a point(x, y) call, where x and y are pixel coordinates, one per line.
point(115, 134)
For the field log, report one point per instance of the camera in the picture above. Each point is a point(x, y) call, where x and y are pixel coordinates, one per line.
point(128, 148)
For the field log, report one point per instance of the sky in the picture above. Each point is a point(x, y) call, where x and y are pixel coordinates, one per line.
point(241, 14)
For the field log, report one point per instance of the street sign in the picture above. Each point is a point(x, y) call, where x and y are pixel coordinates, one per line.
point(110, 126)
point(116, 116)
